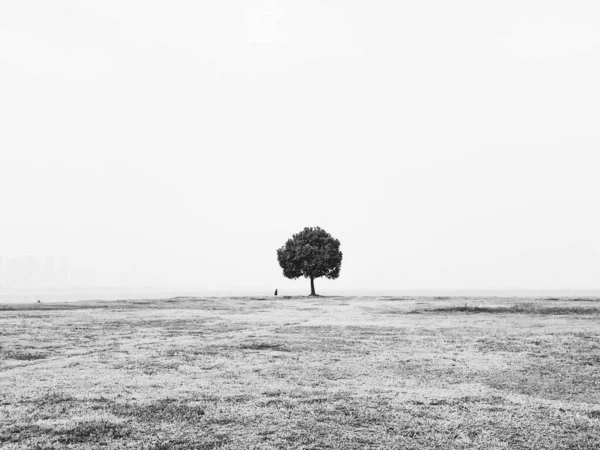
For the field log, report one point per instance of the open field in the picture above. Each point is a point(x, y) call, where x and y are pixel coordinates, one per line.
point(310, 373)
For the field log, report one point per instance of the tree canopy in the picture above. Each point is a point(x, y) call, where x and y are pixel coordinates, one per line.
point(311, 253)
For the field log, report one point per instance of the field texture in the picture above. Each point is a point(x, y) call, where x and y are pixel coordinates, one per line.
point(301, 373)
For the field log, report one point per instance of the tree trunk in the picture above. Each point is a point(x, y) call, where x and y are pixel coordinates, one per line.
point(312, 286)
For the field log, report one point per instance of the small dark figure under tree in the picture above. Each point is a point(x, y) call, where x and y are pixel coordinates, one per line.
point(312, 253)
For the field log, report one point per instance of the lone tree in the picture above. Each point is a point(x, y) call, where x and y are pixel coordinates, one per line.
point(312, 253)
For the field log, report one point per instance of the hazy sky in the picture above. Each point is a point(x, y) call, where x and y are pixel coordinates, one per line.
point(446, 144)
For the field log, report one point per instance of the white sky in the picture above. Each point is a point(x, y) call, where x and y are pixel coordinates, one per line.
point(446, 144)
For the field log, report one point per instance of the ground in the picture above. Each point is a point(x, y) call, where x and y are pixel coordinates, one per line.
point(301, 373)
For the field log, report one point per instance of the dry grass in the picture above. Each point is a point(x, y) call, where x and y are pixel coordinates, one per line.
point(522, 308)
point(340, 373)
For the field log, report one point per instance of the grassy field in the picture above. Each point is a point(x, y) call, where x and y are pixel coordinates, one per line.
point(301, 373)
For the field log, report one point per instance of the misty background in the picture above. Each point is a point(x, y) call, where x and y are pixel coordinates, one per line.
point(163, 147)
